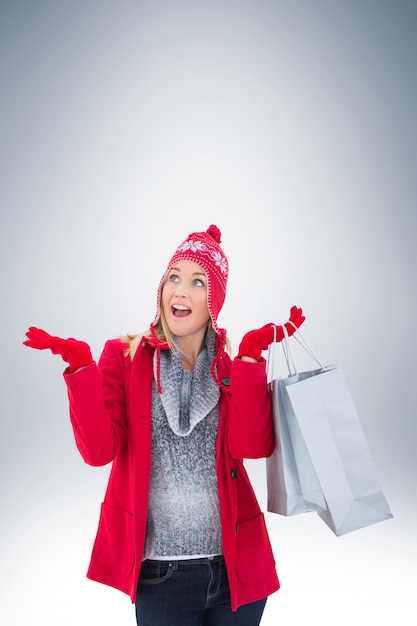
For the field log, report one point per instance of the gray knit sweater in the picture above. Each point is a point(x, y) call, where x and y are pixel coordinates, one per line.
point(183, 513)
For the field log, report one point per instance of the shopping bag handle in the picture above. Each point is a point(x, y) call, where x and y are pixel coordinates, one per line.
point(288, 354)
point(304, 344)
point(289, 358)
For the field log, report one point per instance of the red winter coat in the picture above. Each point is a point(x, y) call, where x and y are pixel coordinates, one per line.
point(110, 408)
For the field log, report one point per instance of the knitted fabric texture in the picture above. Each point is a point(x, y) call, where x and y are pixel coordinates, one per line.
point(183, 513)
point(204, 249)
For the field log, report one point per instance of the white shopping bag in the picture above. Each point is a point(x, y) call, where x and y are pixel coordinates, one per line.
point(324, 426)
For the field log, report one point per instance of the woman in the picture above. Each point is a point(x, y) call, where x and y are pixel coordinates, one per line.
point(180, 530)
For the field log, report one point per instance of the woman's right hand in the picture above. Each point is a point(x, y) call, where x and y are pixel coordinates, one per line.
point(76, 353)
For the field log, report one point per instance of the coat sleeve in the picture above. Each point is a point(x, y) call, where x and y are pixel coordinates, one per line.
point(98, 406)
point(250, 426)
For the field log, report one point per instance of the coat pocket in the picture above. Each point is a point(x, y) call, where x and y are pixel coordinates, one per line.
point(254, 557)
point(114, 544)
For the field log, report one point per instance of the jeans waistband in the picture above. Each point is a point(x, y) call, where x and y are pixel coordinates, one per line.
point(196, 561)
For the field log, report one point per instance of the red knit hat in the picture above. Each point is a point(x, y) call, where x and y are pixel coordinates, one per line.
point(204, 249)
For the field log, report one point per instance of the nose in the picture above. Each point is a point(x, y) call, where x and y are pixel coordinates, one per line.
point(181, 290)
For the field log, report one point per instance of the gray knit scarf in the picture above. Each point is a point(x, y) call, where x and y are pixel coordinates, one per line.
point(203, 393)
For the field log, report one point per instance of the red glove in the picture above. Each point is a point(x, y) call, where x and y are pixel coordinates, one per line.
point(255, 341)
point(75, 353)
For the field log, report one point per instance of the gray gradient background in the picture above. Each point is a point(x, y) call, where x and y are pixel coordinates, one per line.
point(125, 126)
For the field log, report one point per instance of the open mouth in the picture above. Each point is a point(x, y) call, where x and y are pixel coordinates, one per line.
point(179, 310)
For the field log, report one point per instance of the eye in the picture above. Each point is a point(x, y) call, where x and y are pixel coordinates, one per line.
point(173, 278)
point(198, 282)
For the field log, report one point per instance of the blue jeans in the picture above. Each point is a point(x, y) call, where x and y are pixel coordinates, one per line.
point(194, 592)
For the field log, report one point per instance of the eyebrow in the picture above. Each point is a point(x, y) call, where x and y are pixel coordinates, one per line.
point(177, 269)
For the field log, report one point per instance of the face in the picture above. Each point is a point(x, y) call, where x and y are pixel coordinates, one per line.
point(184, 300)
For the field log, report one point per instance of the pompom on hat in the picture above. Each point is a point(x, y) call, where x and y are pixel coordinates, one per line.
point(204, 249)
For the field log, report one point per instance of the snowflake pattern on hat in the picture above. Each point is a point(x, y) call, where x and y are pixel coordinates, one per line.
point(193, 245)
point(220, 261)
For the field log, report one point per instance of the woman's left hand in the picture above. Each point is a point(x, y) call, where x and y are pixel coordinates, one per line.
point(255, 341)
